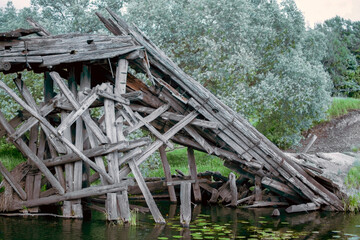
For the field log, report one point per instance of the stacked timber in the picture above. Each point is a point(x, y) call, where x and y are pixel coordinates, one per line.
point(134, 86)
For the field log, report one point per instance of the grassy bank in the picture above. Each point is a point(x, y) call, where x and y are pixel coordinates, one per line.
point(178, 160)
point(341, 106)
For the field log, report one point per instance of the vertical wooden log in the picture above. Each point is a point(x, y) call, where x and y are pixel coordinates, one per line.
point(69, 167)
point(121, 76)
point(111, 207)
point(185, 203)
point(48, 95)
point(258, 195)
point(193, 173)
point(167, 172)
point(113, 161)
point(233, 189)
point(124, 208)
point(146, 192)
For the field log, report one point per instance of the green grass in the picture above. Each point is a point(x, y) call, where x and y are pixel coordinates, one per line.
point(10, 156)
point(341, 106)
point(178, 160)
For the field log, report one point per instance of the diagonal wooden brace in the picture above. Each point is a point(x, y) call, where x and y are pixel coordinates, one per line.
point(54, 132)
point(74, 115)
point(89, 122)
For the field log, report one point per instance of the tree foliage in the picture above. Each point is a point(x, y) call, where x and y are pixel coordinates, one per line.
point(256, 55)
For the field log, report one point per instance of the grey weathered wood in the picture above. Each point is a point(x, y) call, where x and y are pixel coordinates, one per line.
point(175, 117)
point(185, 201)
point(13, 183)
point(154, 131)
point(151, 117)
point(281, 189)
point(123, 204)
point(167, 172)
point(147, 194)
point(121, 75)
point(311, 142)
point(87, 192)
point(111, 207)
point(261, 204)
point(158, 143)
point(198, 138)
point(193, 174)
point(258, 193)
point(302, 208)
point(247, 199)
point(43, 31)
point(25, 149)
point(233, 189)
point(92, 126)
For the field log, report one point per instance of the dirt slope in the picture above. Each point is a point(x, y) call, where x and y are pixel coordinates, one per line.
point(341, 134)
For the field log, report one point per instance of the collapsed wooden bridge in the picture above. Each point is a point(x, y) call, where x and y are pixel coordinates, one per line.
point(62, 139)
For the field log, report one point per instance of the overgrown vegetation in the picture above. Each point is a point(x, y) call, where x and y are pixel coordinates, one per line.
point(341, 106)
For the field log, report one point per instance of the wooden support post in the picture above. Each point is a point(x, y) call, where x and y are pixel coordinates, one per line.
point(167, 172)
point(233, 189)
point(124, 208)
point(258, 194)
point(112, 158)
point(185, 200)
point(147, 194)
point(193, 173)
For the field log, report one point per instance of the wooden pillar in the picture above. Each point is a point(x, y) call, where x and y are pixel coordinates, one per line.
point(167, 172)
point(124, 207)
point(185, 201)
point(193, 173)
point(233, 189)
point(258, 194)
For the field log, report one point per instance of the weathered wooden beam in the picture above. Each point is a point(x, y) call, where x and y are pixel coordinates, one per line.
point(193, 174)
point(123, 205)
point(86, 192)
point(154, 131)
point(233, 189)
point(167, 172)
point(175, 117)
point(281, 189)
point(151, 117)
point(20, 144)
point(302, 208)
point(147, 194)
point(121, 76)
point(92, 126)
point(54, 132)
point(185, 203)
point(98, 151)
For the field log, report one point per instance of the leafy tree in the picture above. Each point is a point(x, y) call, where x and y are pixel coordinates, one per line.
point(255, 55)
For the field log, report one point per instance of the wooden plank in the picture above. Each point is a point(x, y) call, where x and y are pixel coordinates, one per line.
point(233, 189)
point(311, 142)
point(121, 76)
point(25, 149)
point(258, 193)
point(185, 207)
point(92, 126)
point(124, 208)
point(151, 117)
point(281, 189)
point(261, 204)
point(302, 208)
point(193, 174)
point(34, 24)
point(154, 131)
point(73, 116)
point(13, 183)
point(54, 132)
point(175, 117)
point(199, 139)
point(147, 194)
point(87, 192)
point(167, 172)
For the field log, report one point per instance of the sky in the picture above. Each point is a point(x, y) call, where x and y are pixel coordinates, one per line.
point(315, 11)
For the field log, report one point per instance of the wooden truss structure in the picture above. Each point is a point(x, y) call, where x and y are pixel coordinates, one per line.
point(62, 140)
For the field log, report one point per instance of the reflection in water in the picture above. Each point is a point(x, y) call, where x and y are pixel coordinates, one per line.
point(208, 222)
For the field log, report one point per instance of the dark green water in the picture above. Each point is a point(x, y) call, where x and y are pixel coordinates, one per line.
point(208, 222)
